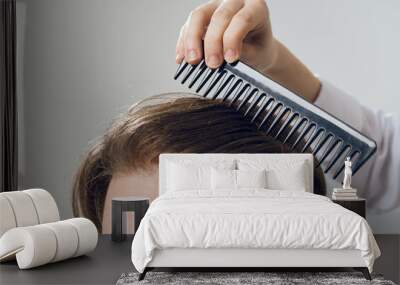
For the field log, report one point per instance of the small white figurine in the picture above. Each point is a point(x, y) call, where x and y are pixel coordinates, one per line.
point(347, 174)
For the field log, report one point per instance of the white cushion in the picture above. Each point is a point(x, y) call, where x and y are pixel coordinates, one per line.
point(87, 233)
point(251, 178)
point(45, 205)
point(40, 244)
point(226, 179)
point(292, 179)
point(247, 161)
point(66, 237)
point(188, 175)
point(223, 179)
point(7, 218)
point(23, 208)
point(281, 174)
point(26, 208)
point(32, 246)
point(182, 177)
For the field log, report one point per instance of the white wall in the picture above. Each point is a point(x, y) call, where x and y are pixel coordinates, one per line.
point(355, 44)
point(84, 61)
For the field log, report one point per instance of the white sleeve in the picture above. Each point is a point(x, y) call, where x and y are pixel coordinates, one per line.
point(379, 179)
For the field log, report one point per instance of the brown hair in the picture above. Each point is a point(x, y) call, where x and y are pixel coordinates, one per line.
point(179, 123)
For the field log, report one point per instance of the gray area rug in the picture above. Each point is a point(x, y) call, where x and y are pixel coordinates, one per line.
point(232, 278)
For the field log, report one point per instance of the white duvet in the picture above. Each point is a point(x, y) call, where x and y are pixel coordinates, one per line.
point(250, 219)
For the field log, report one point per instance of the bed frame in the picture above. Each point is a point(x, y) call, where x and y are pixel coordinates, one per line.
point(260, 259)
point(246, 259)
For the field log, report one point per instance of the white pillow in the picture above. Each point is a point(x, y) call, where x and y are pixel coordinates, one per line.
point(193, 175)
point(251, 178)
point(181, 178)
point(223, 179)
point(292, 179)
point(281, 174)
point(226, 179)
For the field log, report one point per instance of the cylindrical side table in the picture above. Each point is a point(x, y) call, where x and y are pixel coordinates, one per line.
point(120, 205)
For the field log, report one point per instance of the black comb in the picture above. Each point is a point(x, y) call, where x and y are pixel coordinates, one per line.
point(281, 113)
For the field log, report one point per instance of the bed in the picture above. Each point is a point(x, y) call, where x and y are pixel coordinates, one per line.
point(247, 211)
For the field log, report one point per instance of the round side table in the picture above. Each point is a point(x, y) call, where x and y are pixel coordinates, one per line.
point(121, 205)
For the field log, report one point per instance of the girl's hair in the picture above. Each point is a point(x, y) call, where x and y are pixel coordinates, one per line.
point(172, 123)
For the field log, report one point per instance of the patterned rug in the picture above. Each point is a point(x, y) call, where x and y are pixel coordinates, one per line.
point(243, 278)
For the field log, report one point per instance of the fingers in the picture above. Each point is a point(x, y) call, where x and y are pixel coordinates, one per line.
point(194, 31)
point(224, 25)
point(240, 26)
point(180, 46)
point(213, 40)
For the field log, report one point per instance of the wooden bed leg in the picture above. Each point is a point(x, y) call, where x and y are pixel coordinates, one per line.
point(142, 275)
point(364, 271)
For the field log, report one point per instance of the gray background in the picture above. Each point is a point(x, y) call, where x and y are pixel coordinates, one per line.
point(81, 62)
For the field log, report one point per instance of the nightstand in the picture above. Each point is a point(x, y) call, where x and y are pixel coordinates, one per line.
point(357, 205)
point(121, 205)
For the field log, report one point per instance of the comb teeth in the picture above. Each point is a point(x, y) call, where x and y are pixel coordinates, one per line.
point(217, 77)
point(286, 124)
point(278, 118)
point(236, 85)
point(208, 75)
point(255, 102)
point(238, 93)
point(322, 142)
point(330, 147)
point(198, 74)
point(280, 113)
point(188, 73)
point(224, 83)
point(339, 152)
point(297, 125)
point(262, 108)
point(312, 138)
point(181, 68)
point(247, 97)
point(269, 113)
point(304, 132)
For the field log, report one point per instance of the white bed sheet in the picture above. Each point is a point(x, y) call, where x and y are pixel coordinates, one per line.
point(250, 218)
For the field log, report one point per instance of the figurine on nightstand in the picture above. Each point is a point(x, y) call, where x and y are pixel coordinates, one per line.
point(346, 192)
point(347, 174)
